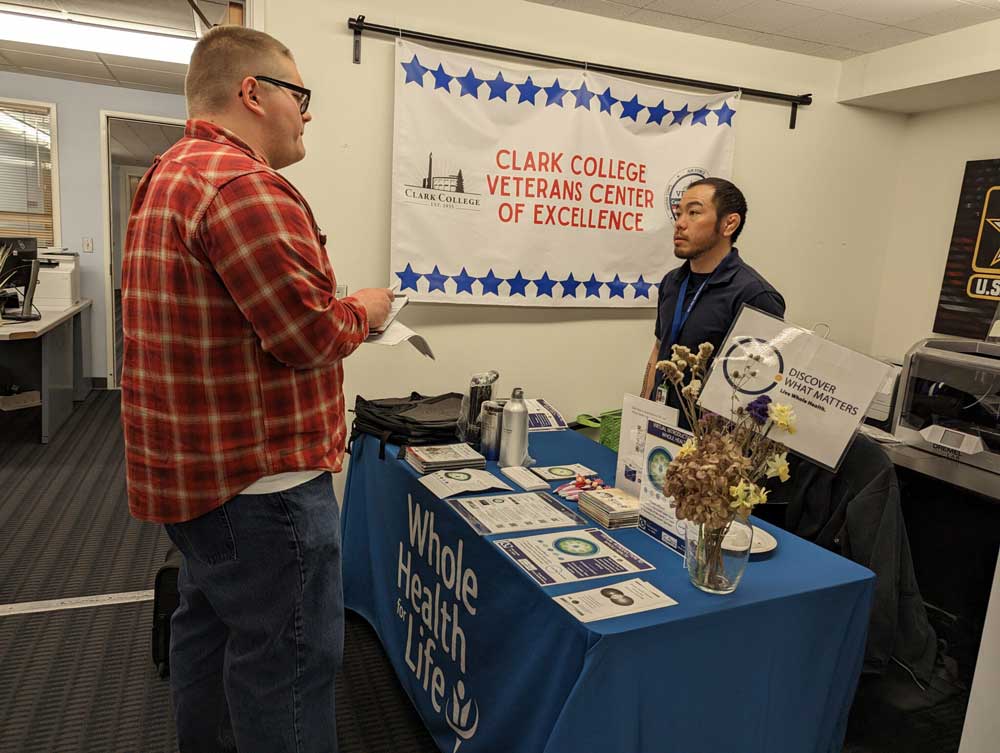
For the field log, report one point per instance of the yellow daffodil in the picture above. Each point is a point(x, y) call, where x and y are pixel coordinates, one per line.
point(777, 466)
point(688, 448)
point(783, 416)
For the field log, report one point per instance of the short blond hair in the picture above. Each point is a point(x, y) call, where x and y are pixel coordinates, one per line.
point(223, 57)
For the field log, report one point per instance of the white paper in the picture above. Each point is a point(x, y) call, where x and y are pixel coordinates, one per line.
point(444, 453)
point(397, 333)
point(628, 597)
point(397, 305)
point(827, 385)
point(510, 513)
point(636, 413)
point(543, 417)
point(657, 512)
point(446, 484)
point(572, 556)
point(563, 472)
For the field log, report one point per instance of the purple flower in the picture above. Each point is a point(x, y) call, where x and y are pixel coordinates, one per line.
point(758, 409)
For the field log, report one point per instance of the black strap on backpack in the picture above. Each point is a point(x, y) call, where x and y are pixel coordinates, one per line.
point(413, 420)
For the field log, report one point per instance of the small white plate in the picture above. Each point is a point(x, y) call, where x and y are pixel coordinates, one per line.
point(763, 542)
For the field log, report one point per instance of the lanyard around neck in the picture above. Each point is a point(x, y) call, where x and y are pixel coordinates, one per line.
point(680, 313)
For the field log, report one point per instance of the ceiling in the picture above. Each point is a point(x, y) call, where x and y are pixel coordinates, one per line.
point(837, 29)
point(136, 142)
point(166, 16)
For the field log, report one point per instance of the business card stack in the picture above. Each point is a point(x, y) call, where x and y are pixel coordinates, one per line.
point(443, 457)
point(610, 508)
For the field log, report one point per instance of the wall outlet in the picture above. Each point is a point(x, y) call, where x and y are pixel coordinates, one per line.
point(88, 245)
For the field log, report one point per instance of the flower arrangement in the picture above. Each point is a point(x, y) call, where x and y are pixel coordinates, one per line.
point(716, 478)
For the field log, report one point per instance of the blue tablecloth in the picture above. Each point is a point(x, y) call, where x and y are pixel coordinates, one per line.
point(771, 668)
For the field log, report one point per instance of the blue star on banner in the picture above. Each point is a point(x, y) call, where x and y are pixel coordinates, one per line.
point(436, 280)
point(569, 286)
point(518, 283)
point(700, 116)
point(680, 114)
point(725, 114)
point(631, 108)
point(583, 96)
point(408, 278)
point(499, 87)
point(544, 285)
point(463, 281)
point(617, 287)
point(642, 287)
point(606, 100)
point(414, 71)
point(656, 113)
point(441, 79)
point(593, 286)
point(470, 84)
point(554, 94)
point(528, 91)
point(491, 283)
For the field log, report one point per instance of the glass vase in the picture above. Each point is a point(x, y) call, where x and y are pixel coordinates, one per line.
point(716, 556)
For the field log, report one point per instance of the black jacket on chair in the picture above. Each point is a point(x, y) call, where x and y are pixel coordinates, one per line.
point(856, 513)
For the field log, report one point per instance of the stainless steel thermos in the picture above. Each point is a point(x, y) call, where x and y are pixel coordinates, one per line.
point(514, 432)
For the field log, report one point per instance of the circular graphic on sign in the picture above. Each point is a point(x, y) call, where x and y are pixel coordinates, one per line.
point(458, 475)
point(558, 470)
point(656, 466)
point(575, 546)
point(753, 366)
point(678, 185)
point(618, 597)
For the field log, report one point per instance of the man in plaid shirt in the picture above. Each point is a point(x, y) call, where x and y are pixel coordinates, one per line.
point(232, 404)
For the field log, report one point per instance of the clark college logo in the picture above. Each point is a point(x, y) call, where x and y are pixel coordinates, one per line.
point(753, 366)
point(678, 185)
point(445, 189)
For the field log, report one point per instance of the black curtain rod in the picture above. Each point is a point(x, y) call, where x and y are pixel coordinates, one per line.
point(359, 25)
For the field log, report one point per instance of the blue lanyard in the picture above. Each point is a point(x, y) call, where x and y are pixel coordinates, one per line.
point(680, 313)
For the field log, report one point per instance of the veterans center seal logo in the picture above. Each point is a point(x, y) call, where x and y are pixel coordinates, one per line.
point(678, 185)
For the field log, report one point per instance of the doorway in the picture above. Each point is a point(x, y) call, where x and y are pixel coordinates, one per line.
point(130, 143)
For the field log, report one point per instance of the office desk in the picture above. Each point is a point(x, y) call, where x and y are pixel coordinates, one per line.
point(771, 668)
point(48, 355)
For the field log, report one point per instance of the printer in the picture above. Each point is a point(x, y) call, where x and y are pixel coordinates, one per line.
point(58, 279)
point(949, 400)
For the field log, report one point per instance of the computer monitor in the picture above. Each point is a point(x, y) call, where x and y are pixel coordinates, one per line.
point(16, 255)
point(19, 269)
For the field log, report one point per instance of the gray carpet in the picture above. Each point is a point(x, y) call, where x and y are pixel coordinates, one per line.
point(82, 680)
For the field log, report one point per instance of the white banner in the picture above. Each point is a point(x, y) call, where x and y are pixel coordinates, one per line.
point(541, 187)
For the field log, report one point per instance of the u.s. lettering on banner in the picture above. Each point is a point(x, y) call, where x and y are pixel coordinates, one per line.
point(542, 187)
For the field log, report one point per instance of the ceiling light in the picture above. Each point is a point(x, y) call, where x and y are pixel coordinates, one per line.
point(72, 35)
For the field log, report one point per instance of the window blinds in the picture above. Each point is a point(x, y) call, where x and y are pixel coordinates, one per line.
point(26, 173)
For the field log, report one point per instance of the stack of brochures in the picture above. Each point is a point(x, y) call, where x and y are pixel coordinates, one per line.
point(611, 508)
point(443, 457)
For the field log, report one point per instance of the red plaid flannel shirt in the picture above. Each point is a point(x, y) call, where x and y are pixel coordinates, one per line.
point(233, 333)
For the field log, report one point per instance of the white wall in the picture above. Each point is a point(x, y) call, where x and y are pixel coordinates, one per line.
point(811, 227)
point(921, 202)
point(77, 109)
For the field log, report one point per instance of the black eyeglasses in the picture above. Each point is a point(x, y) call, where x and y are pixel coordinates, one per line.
point(301, 94)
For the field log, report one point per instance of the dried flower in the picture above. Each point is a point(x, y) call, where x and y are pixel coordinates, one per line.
point(670, 371)
point(692, 390)
point(758, 409)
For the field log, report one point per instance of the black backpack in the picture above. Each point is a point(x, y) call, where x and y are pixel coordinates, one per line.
point(413, 420)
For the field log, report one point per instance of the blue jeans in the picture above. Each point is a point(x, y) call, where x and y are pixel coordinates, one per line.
point(259, 633)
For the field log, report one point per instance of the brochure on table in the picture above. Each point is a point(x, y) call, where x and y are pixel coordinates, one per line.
point(657, 514)
point(827, 385)
point(543, 417)
point(563, 472)
point(510, 513)
point(617, 600)
point(572, 556)
point(446, 484)
point(636, 413)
